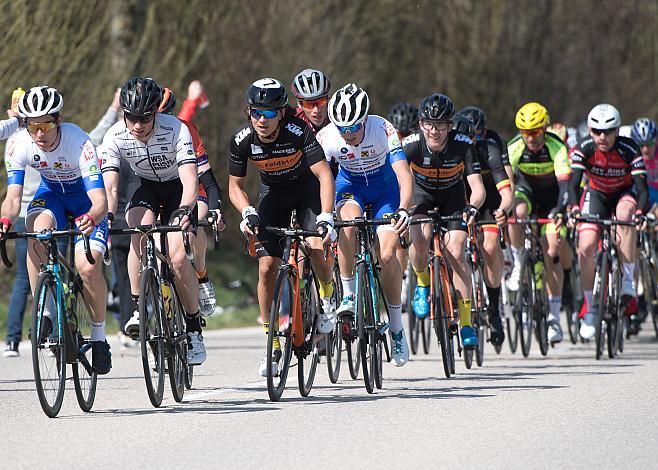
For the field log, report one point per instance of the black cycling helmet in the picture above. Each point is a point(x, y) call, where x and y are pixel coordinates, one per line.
point(267, 93)
point(436, 107)
point(140, 96)
point(478, 116)
point(168, 101)
point(404, 117)
point(464, 124)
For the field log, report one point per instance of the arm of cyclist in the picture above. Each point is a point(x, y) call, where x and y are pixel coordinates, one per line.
point(214, 193)
point(478, 195)
point(92, 180)
point(640, 182)
point(96, 212)
point(406, 184)
point(8, 126)
point(325, 220)
point(190, 182)
point(11, 206)
point(503, 183)
point(238, 197)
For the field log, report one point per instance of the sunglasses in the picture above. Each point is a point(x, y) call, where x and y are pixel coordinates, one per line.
point(266, 113)
point(139, 119)
point(533, 132)
point(34, 127)
point(437, 126)
point(310, 104)
point(350, 129)
point(648, 143)
point(604, 131)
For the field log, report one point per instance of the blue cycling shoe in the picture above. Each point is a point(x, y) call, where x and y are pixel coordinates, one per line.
point(421, 301)
point(469, 337)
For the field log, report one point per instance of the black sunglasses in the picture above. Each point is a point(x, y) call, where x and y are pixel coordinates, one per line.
point(605, 131)
point(139, 119)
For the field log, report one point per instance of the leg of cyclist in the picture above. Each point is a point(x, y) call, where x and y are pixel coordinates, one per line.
point(554, 277)
point(207, 300)
point(421, 237)
point(402, 255)
point(347, 209)
point(455, 240)
point(627, 244)
point(493, 271)
point(522, 210)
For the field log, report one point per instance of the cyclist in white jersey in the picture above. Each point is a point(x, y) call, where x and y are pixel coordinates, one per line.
point(71, 184)
point(159, 149)
point(372, 170)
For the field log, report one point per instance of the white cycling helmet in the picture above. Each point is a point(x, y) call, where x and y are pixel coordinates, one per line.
point(310, 84)
point(40, 101)
point(349, 106)
point(603, 116)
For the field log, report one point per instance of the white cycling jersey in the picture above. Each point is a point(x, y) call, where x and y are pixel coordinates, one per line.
point(169, 147)
point(368, 163)
point(8, 127)
point(70, 167)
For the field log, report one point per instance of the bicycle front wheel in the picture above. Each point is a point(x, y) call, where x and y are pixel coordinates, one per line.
point(525, 305)
point(151, 339)
point(600, 295)
point(441, 317)
point(84, 379)
point(334, 348)
point(176, 340)
point(48, 347)
point(279, 339)
point(308, 356)
point(365, 328)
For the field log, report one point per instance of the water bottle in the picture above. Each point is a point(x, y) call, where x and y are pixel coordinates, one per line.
point(166, 299)
point(537, 268)
point(16, 95)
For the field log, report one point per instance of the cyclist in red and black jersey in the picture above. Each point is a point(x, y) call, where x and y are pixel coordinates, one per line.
point(294, 175)
point(617, 185)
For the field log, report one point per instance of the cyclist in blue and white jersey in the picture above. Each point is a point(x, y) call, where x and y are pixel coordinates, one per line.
point(372, 170)
point(644, 135)
point(71, 183)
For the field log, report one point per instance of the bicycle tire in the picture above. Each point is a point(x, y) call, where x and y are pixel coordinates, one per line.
point(50, 390)
point(276, 380)
point(512, 333)
point(334, 348)
point(600, 295)
point(308, 357)
point(353, 358)
point(189, 377)
point(441, 317)
point(84, 379)
point(414, 322)
point(151, 339)
point(364, 328)
point(480, 309)
point(379, 361)
point(524, 305)
point(653, 304)
point(541, 311)
point(176, 347)
point(615, 321)
point(426, 334)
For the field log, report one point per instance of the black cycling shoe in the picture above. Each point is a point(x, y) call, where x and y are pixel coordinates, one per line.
point(496, 326)
point(101, 357)
point(634, 326)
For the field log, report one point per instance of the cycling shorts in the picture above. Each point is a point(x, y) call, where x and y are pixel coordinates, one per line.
point(156, 195)
point(384, 200)
point(603, 205)
point(60, 206)
point(653, 196)
point(540, 201)
point(275, 206)
point(447, 200)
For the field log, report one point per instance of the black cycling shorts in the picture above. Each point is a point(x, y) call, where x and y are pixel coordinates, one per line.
point(541, 201)
point(155, 195)
point(275, 206)
point(450, 201)
point(596, 203)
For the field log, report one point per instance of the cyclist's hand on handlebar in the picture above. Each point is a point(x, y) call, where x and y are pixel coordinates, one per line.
point(500, 216)
point(183, 217)
point(250, 221)
point(110, 219)
point(85, 224)
point(557, 217)
point(471, 214)
point(640, 220)
point(400, 220)
point(325, 225)
point(217, 220)
point(5, 225)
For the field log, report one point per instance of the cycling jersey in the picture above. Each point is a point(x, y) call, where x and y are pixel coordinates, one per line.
point(492, 157)
point(283, 163)
point(169, 147)
point(438, 171)
point(609, 172)
point(71, 167)
point(199, 149)
point(540, 168)
point(370, 162)
point(651, 165)
point(8, 127)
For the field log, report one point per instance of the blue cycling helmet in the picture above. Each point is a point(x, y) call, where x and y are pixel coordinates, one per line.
point(643, 130)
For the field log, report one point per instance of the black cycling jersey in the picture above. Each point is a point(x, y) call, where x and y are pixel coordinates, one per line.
point(283, 163)
point(441, 170)
point(490, 152)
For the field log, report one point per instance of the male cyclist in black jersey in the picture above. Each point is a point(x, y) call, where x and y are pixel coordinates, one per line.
point(294, 175)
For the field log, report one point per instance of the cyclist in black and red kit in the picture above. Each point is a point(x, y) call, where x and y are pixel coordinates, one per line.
point(440, 159)
point(294, 175)
point(617, 185)
point(493, 159)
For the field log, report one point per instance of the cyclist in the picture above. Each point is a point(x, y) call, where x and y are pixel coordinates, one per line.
point(71, 183)
point(293, 176)
point(492, 157)
point(311, 89)
point(404, 117)
point(160, 152)
point(617, 184)
point(441, 158)
point(209, 199)
point(373, 171)
point(541, 165)
point(644, 135)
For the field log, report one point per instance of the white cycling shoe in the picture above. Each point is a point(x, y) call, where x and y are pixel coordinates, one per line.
point(207, 300)
point(328, 317)
point(196, 350)
point(588, 326)
point(400, 348)
point(262, 369)
point(554, 330)
point(132, 325)
point(512, 281)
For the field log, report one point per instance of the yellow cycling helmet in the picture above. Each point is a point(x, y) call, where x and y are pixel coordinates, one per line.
point(531, 116)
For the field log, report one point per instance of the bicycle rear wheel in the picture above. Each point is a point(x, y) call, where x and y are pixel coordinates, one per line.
point(524, 306)
point(279, 340)
point(365, 328)
point(48, 347)
point(189, 377)
point(600, 296)
point(479, 307)
point(84, 379)
point(441, 318)
point(308, 356)
point(151, 321)
point(176, 348)
point(353, 358)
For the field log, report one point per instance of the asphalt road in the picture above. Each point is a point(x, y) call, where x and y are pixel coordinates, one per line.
point(563, 411)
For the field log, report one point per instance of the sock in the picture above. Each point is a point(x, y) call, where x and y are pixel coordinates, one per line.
point(193, 323)
point(202, 276)
point(554, 305)
point(464, 306)
point(97, 331)
point(516, 254)
point(494, 297)
point(588, 298)
point(135, 298)
point(349, 285)
point(423, 277)
point(326, 288)
point(275, 341)
point(629, 271)
point(395, 318)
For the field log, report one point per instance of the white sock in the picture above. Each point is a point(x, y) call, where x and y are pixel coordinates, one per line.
point(97, 331)
point(516, 254)
point(349, 285)
point(395, 318)
point(554, 305)
point(629, 271)
point(588, 298)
